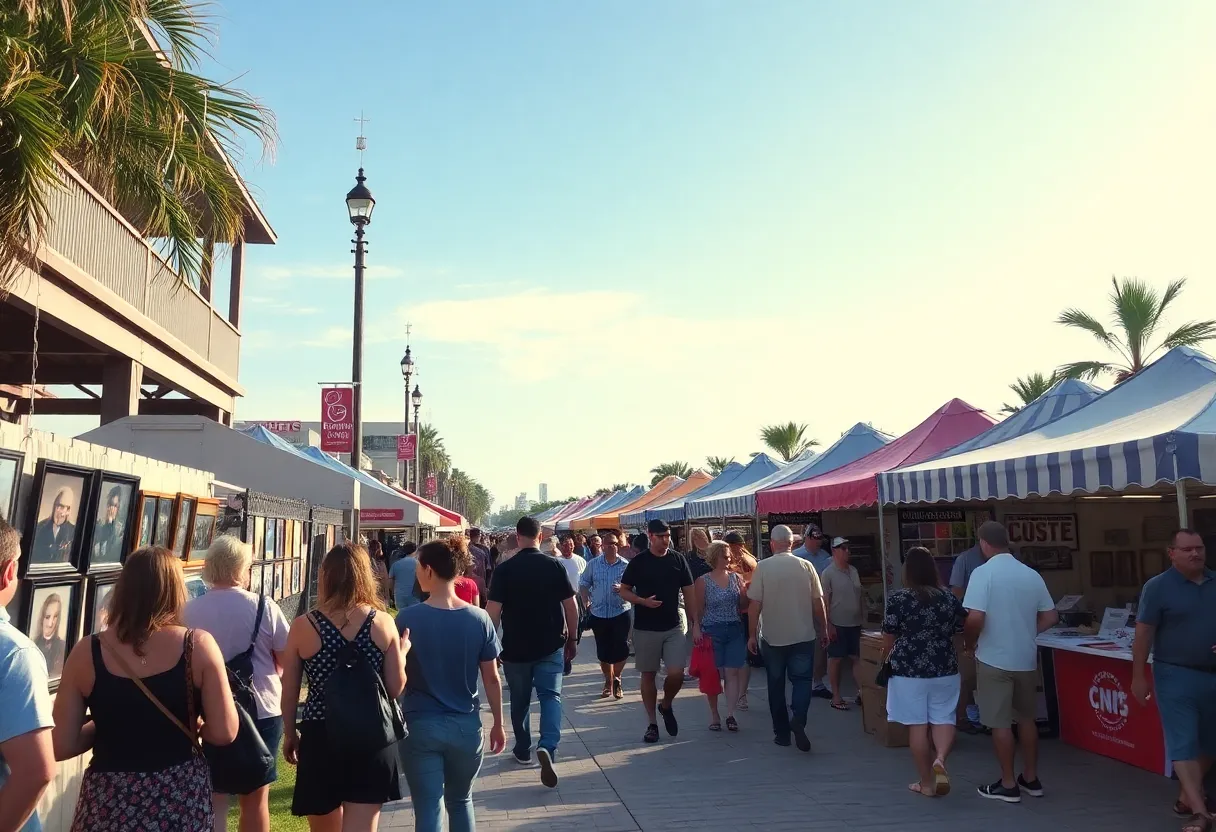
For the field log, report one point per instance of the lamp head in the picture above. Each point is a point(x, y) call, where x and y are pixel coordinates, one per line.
point(359, 202)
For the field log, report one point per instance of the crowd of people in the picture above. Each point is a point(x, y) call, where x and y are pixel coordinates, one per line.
point(172, 682)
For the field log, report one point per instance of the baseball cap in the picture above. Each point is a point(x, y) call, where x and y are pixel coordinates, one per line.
point(734, 537)
point(837, 542)
point(657, 526)
point(813, 531)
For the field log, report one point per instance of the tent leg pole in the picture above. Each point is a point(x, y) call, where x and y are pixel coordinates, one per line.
point(759, 553)
point(882, 555)
point(1180, 490)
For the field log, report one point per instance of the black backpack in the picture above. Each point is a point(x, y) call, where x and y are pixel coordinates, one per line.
point(360, 717)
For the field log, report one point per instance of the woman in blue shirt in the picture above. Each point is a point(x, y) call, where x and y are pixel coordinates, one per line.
point(453, 641)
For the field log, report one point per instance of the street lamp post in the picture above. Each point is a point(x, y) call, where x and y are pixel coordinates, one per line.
point(359, 206)
point(407, 370)
point(418, 453)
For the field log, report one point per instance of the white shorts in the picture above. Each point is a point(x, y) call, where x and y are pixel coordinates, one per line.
point(922, 701)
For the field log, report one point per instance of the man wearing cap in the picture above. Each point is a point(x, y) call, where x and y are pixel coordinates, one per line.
point(654, 582)
point(845, 603)
point(812, 551)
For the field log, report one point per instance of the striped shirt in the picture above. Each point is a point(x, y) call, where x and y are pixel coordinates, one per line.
point(598, 579)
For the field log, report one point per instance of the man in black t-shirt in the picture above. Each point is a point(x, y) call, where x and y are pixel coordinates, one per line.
point(654, 582)
point(532, 597)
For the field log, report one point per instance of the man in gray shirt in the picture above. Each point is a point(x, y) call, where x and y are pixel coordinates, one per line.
point(1177, 619)
point(812, 550)
point(960, 576)
point(964, 565)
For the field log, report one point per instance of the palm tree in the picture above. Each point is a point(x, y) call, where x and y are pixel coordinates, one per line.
point(1030, 388)
point(788, 440)
point(82, 81)
point(717, 464)
point(670, 469)
point(432, 456)
point(1137, 311)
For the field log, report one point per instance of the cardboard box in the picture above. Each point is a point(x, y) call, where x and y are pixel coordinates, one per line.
point(874, 719)
point(966, 672)
point(866, 667)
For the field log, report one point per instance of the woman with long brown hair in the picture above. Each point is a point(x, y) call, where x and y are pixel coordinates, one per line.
point(336, 791)
point(143, 682)
point(922, 693)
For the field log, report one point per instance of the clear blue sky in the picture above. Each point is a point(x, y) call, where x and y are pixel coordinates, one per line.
point(633, 232)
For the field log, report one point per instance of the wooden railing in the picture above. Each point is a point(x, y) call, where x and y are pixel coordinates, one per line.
point(87, 230)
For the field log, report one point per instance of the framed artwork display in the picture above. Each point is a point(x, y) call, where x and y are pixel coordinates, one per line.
point(11, 463)
point(296, 573)
point(195, 586)
point(115, 513)
point(203, 529)
point(52, 620)
point(57, 526)
point(255, 578)
point(155, 519)
point(278, 580)
point(162, 536)
point(272, 528)
point(1102, 569)
point(183, 524)
point(1127, 572)
point(259, 538)
point(97, 612)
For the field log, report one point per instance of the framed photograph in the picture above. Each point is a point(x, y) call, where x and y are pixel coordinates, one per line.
point(164, 521)
point(282, 534)
point(195, 586)
point(1153, 562)
point(57, 526)
point(1102, 569)
point(147, 520)
point(52, 613)
point(11, 463)
point(115, 512)
point(97, 612)
point(255, 578)
point(183, 525)
point(278, 581)
point(1127, 572)
point(203, 531)
point(296, 572)
point(259, 538)
point(271, 539)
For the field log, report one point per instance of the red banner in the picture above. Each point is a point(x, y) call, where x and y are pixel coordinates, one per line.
point(407, 446)
point(432, 485)
point(337, 419)
point(1099, 713)
point(381, 515)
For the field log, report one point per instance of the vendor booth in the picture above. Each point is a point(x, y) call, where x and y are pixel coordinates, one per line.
point(850, 493)
point(665, 489)
point(1091, 499)
point(583, 520)
point(593, 504)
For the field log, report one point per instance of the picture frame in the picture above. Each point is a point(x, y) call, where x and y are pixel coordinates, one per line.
point(259, 538)
point(52, 619)
point(1127, 569)
point(12, 463)
point(203, 528)
point(183, 523)
point(96, 615)
point(1102, 569)
point(115, 507)
point(271, 539)
point(163, 533)
point(156, 517)
point(1153, 562)
point(57, 525)
point(195, 585)
point(255, 578)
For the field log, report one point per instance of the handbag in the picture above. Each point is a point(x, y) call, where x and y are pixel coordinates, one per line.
point(360, 717)
point(884, 673)
point(245, 764)
point(706, 670)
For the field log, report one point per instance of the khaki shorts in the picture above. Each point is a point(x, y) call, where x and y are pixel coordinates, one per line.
point(668, 647)
point(1005, 696)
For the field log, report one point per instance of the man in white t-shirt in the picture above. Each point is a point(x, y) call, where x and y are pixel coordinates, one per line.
point(575, 565)
point(1008, 606)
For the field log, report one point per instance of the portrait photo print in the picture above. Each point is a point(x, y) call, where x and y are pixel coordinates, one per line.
point(112, 521)
point(57, 516)
point(50, 622)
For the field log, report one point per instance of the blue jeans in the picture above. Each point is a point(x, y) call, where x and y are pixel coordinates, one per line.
point(545, 675)
point(441, 758)
point(798, 662)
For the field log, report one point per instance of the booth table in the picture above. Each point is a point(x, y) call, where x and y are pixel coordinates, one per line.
point(1088, 682)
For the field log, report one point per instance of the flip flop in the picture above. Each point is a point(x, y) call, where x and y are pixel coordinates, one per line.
point(731, 724)
point(1184, 811)
point(915, 788)
point(1198, 823)
point(941, 778)
point(840, 706)
point(715, 726)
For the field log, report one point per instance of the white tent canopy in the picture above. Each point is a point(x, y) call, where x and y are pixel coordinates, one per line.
point(239, 459)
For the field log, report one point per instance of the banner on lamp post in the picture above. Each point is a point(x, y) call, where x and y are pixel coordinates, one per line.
point(407, 446)
point(337, 419)
point(432, 485)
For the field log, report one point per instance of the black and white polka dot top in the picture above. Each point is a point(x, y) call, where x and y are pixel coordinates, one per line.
point(319, 666)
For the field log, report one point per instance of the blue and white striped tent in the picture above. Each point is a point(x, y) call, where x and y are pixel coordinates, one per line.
point(740, 501)
point(760, 467)
point(1159, 426)
point(637, 519)
point(606, 502)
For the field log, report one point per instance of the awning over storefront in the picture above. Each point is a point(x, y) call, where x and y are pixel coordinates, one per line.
point(664, 489)
point(1159, 426)
point(740, 501)
point(448, 519)
point(255, 459)
point(596, 500)
point(583, 521)
point(760, 467)
point(855, 485)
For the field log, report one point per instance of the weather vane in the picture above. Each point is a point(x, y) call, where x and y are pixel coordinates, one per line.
point(361, 140)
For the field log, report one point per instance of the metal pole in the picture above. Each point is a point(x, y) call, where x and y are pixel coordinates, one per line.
point(1179, 486)
point(417, 452)
point(882, 554)
point(405, 463)
point(356, 373)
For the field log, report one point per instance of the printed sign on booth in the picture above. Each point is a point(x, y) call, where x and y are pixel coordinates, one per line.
point(407, 446)
point(337, 419)
point(432, 485)
point(381, 515)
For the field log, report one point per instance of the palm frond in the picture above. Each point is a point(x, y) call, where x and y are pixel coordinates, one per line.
point(1079, 319)
point(1087, 370)
point(1136, 310)
point(787, 440)
point(1190, 334)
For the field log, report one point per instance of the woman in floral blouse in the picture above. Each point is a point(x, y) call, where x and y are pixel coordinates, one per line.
point(918, 641)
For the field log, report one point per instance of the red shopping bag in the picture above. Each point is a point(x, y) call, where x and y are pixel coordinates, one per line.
point(704, 668)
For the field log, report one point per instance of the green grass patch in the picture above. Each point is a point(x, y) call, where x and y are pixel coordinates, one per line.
point(281, 818)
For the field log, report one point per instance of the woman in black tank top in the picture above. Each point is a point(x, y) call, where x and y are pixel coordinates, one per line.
point(335, 790)
point(147, 771)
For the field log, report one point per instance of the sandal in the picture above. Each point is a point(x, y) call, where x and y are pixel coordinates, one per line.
point(606, 692)
point(1184, 811)
point(731, 724)
point(1198, 823)
point(840, 706)
point(652, 734)
point(715, 726)
point(941, 778)
point(742, 703)
point(917, 788)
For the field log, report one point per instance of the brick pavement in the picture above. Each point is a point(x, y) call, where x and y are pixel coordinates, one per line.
point(612, 782)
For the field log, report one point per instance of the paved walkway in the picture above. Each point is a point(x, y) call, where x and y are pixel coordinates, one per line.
point(612, 782)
